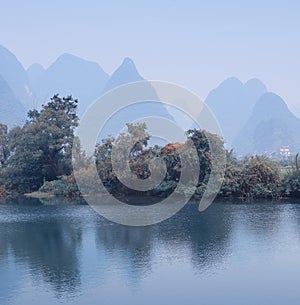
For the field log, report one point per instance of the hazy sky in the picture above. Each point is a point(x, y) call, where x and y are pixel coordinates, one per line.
point(193, 43)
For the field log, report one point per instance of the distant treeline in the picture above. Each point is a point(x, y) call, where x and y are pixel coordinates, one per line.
point(38, 157)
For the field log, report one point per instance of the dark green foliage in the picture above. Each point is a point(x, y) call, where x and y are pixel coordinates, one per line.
point(4, 150)
point(233, 177)
point(205, 143)
point(65, 186)
point(204, 153)
point(260, 178)
point(254, 177)
point(41, 149)
point(141, 156)
point(291, 184)
point(39, 154)
point(136, 134)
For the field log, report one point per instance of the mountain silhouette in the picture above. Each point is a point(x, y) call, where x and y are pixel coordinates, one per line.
point(252, 119)
point(271, 126)
point(12, 111)
point(232, 103)
point(296, 110)
point(35, 72)
point(69, 75)
point(127, 73)
point(16, 77)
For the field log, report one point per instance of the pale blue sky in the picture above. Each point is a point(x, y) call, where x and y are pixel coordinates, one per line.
point(193, 43)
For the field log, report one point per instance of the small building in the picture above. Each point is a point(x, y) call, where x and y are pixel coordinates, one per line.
point(285, 151)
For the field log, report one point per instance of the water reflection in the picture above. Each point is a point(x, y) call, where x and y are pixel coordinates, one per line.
point(129, 248)
point(45, 242)
point(48, 241)
point(69, 248)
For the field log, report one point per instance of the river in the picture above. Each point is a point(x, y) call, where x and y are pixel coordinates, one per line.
point(234, 253)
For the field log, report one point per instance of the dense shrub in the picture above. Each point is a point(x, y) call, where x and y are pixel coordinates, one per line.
point(291, 184)
point(231, 186)
point(260, 178)
point(65, 186)
point(254, 177)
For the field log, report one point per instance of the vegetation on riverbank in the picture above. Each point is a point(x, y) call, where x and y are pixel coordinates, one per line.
point(37, 157)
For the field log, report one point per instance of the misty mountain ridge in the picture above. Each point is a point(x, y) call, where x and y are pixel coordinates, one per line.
point(69, 75)
point(296, 110)
point(72, 75)
point(271, 126)
point(252, 120)
point(35, 72)
point(232, 103)
point(12, 111)
point(16, 77)
point(125, 73)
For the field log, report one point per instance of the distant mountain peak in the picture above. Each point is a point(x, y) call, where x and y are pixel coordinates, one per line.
point(70, 59)
point(69, 74)
point(35, 66)
point(35, 72)
point(270, 105)
point(232, 79)
point(125, 73)
point(67, 55)
point(255, 81)
point(128, 67)
point(232, 103)
point(230, 82)
point(270, 127)
point(255, 85)
point(15, 75)
point(128, 61)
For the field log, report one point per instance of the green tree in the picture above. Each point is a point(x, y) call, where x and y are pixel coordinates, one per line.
point(291, 183)
point(291, 176)
point(42, 148)
point(205, 142)
point(4, 150)
point(233, 177)
point(136, 135)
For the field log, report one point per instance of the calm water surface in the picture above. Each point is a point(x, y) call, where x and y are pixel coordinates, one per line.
point(231, 254)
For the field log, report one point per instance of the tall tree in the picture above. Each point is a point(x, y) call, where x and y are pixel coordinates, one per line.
point(42, 148)
point(4, 151)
